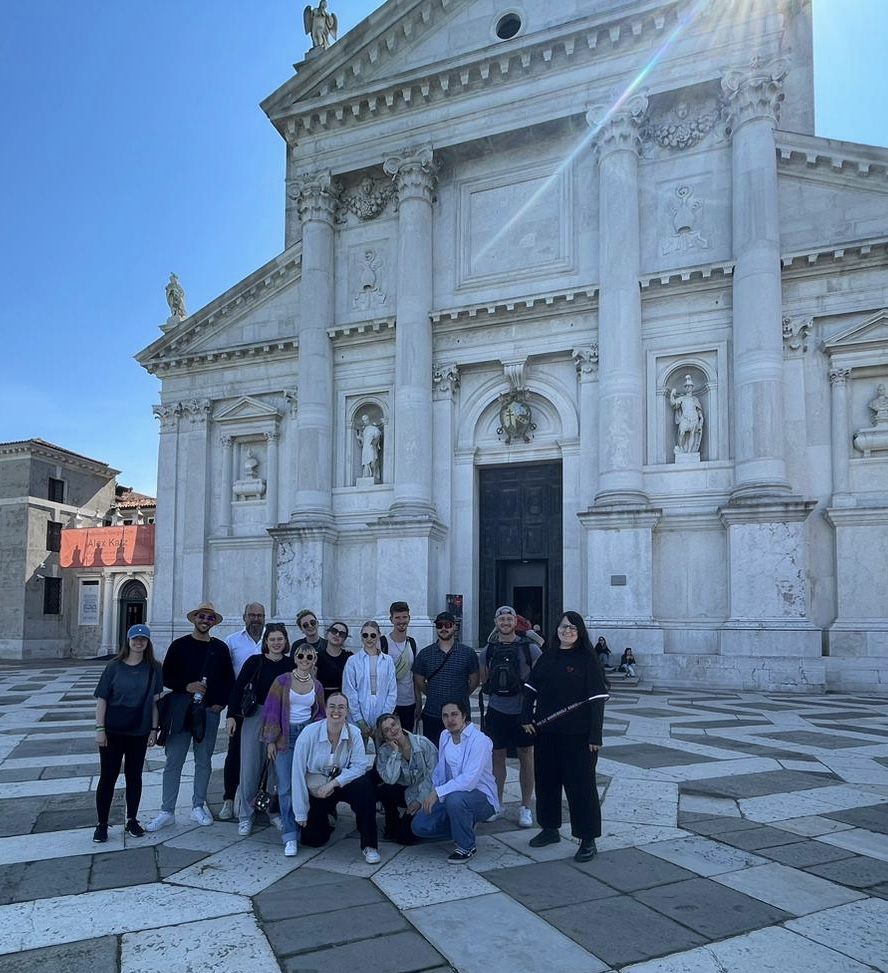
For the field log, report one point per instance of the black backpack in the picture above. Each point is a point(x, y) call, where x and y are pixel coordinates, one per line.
point(504, 668)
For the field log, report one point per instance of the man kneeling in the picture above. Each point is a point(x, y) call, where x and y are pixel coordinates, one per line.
point(464, 787)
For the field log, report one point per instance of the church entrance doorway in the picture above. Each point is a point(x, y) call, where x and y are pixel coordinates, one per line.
point(132, 609)
point(520, 543)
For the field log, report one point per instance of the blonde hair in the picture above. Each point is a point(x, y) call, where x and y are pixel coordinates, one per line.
point(370, 623)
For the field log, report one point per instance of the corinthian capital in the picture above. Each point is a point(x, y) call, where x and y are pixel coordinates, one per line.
point(414, 172)
point(838, 376)
point(167, 413)
point(316, 196)
point(616, 127)
point(754, 91)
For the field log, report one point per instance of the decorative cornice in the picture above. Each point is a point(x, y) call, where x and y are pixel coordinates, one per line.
point(362, 329)
point(804, 259)
point(709, 272)
point(215, 358)
point(755, 91)
point(562, 300)
point(809, 153)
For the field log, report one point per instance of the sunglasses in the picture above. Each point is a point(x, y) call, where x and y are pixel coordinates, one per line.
point(306, 655)
point(444, 625)
point(369, 635)
point(309, 623)
point(206, 618)
point(339, 632)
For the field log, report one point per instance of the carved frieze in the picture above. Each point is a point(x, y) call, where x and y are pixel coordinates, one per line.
point(683, 122)
point(368, 200)
point(796, 332)
point(445, 379)
point(586, 360)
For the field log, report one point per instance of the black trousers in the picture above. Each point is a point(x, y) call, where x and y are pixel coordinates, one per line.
point(360, 795)
point(130, 750)
point(407, 716)
point(231, 773)
point(432, 728)
point(565, 762)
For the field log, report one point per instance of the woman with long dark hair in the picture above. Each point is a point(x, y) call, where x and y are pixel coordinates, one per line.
point(126, 725)
point(566, 750)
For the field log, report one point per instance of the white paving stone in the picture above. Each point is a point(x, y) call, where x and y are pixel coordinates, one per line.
point(494, 934)
point(55, 844)
point(246, 868)
point(614, 836)
point(233, 944)
point(519, 841)
point(772, 950)
point(860, 840)
point(715, 806)
point(789, 889)
point(69, 918)
point(211, 839)
point(703, 856)
point(778, 807)
point(859, 930)
point(40, 788)
point(493, 853)
point(420, 875)
point(344, 857)
point(812, 826)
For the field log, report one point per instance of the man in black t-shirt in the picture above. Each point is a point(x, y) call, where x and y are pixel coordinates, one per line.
point(197, 668)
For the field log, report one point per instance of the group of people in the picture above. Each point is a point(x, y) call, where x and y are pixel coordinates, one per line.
point(312, 724)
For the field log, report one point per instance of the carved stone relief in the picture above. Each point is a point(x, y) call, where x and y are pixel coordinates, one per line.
point(369, 265)
point(250, 486)
point(796, 332)
point(368, 200)
point(686, 213)
point(445, 378)
point(586, 359)
point(516, 417)
point(875, 438)
point(683, 124)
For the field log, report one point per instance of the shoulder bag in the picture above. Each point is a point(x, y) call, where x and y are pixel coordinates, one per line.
point(249, 702)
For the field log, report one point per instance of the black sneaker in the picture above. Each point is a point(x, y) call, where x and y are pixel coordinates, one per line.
point(100, 835)
point(134, 828)
point(548, 836)
point(587, 850)
point(460, 857)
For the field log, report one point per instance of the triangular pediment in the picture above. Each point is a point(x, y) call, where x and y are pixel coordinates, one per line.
point(869, 333)
point(245, 408)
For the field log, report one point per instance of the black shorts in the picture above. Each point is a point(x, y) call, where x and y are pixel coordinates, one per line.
point(505, 730)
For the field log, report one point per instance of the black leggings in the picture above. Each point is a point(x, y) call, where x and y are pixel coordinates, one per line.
point(360, 795)
point(121, 746)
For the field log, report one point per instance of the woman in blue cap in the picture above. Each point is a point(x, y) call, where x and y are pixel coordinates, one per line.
point(126, 725)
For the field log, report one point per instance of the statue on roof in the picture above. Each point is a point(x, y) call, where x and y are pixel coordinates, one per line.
point(175, 296)
point(320, 25)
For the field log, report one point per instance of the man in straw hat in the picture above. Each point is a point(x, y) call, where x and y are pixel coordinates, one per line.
point(197, 668)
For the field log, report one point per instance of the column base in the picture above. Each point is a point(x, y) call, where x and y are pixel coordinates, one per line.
point(621, 498)
point(760, 490)
point(412, 510)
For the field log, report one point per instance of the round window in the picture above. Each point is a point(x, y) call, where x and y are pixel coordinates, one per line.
point(508, 26)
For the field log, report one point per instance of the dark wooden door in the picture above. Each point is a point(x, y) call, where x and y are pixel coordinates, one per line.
point(520, 520)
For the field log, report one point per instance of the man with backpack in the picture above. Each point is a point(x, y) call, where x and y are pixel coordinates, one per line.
point(506, 662)
point(402, 649)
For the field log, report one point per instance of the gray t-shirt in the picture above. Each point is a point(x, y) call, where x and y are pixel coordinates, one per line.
point(123, 685)
point(511, 704)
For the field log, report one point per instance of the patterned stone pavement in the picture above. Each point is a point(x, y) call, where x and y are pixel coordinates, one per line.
point(743, 832)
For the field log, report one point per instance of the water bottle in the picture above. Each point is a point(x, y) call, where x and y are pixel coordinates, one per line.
point(198, 697)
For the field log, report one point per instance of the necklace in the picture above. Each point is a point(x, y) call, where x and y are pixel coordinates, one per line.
point(299, 677)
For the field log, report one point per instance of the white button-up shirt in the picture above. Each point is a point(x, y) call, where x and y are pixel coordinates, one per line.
point(240, 647)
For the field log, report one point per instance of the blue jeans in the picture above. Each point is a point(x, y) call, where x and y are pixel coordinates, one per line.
point(454, 817)
point(283, 768)
point(176, 752)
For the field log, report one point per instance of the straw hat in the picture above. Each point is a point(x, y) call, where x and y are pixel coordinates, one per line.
point(204, 608)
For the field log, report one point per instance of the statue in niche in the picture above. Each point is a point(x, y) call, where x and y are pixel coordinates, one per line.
point(250, 486)
point(686, 213)
point(175, 296)
point(370, 293)
point(369, 434)
point(688, 417)
point(321, 26)
point(879, 406)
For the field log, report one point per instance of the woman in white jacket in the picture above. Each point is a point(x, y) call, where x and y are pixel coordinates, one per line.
point(369, 682)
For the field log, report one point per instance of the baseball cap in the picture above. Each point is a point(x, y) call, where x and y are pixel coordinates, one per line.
point(445, 617)
point(138, 631)
point(505, 610)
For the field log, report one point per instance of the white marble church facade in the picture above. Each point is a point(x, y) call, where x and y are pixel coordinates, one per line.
point(484, 230)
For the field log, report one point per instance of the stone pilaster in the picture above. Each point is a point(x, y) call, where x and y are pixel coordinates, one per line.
point(621, 389)
point(414, 174)
point(316, 198)
point(227, 443)
point(841, 433)
point(754, 95)
point(162, 601)
point(587, 376)
point(271, 478)
point(193, 507)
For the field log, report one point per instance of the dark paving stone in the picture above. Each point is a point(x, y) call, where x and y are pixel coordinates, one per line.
point(24, 881)
point(305, 933)
point(881, 760)
point(621, 930)
point(711, 909)
point(86, 956)
point(650, 756)
point(752, 839)
point(117, 869)
point(651, 712)
point(10, 700)
point(880, 890)
point(714, 825)
point(547, 885)
point(740, 746)
point(291, 901)
point(826, 741)
point(71, 770)
point(54, 748)
point(631, 869)
point(170, 860)
point(857, 872)
point(19, 817)
point(67, 716)
point(872, 730)
point(805, 853)
point(64, 820)
point(873, 818)
point(758, 785)
point(853, 714)
point(722, 724)
point(18, 774)
point(766, 707)
point(404, 952)
point(614, 731)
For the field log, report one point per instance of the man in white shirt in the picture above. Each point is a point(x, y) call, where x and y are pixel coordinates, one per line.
point(464, 786)
point(241, 645)
point(401, 648)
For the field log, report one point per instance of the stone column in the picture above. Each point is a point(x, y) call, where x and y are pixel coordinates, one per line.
point(587, 375)
point(194, 506)
point(754, 95)
point(414, 175)
point(838, 379)
point(271, 478)
point(108, 646)
point(162, 617)
point(621, 388)
point(225, 500)
point(316, 197)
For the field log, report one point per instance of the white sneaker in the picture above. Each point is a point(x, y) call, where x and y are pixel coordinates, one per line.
point(201, 815)
point(290, 849)
point(275, 819)
point(245, 827)
point(525, 818)
point(227, 811)
point(371, 856)
point(163, 820)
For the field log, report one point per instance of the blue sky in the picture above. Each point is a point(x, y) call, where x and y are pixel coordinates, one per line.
point(135, 146)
